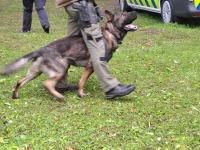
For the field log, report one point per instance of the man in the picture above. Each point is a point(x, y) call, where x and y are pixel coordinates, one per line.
point(91, 32)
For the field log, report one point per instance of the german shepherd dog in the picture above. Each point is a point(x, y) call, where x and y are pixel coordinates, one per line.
point(55, 58)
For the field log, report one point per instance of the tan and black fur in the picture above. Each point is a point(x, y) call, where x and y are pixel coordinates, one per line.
point(55, 58)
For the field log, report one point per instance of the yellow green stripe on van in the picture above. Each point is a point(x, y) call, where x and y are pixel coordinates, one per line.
point(197, 4)
point(144, 3)
point(155, 3)
point(147, 3)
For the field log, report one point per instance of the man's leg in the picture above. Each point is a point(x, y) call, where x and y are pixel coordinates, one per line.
point(72, 29)
point(27, 15)
point(94, 40)
point(72, 24)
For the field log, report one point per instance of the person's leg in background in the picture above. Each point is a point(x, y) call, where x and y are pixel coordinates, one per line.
point(42, 15)
point(27, 15)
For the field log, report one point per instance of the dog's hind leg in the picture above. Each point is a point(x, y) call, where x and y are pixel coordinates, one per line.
point(30, 76)
point(86, 74)
point(50, 83)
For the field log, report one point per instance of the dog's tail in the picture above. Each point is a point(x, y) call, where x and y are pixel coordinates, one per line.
point(18, 64)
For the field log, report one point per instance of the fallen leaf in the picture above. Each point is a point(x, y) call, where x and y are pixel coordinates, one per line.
point(132, 110)
point(69, 148)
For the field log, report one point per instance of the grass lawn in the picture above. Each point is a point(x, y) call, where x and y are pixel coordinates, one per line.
point(163, 113)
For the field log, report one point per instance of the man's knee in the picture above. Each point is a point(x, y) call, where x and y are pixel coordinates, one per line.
point(38, 8)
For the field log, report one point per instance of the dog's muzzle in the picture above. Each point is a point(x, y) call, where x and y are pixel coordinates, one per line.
point(130, 27)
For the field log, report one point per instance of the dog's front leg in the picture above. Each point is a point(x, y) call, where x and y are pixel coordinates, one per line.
point(50, 83)
point(86, 74)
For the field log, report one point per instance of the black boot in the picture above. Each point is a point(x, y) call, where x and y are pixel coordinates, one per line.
point(46, 29)
point(70, 88)
point(120, 90)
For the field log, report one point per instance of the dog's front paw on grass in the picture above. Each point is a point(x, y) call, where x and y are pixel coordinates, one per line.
point(60, 97)
point(14, 96)
point(81, 94)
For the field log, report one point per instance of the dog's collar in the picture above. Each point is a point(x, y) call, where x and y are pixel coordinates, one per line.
point(119, 40)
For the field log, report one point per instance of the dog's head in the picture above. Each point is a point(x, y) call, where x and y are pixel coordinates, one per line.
point(120, 24)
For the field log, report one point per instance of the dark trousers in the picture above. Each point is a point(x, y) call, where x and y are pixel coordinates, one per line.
point(27, 13)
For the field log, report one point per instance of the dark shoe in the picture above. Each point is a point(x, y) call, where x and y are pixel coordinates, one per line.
point(120, 90)
point(26, 31)
point(70, 88)
point(46, 29)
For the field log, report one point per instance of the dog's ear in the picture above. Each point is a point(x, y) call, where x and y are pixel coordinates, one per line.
point(109, 15)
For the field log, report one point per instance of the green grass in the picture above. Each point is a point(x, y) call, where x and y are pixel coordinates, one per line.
point(162, 60)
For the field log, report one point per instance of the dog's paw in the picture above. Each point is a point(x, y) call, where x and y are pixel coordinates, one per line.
point(15, 96)
point(60, 97)
point(81, 94)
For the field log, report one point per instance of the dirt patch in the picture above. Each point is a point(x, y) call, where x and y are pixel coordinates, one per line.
point(150, 31)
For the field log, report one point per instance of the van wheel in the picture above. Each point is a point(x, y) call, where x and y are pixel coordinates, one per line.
point(123, 5)
point(167, 12)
